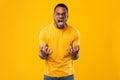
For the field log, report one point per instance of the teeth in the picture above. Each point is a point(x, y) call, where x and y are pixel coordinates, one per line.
point(60, 20)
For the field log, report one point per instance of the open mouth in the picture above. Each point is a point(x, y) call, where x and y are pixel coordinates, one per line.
point(60, 21)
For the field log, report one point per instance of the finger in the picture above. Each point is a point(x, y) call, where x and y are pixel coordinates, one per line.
point(76, 48)
point(41, 47)
point(73, 49)
point(50, 52)
point(45, 48)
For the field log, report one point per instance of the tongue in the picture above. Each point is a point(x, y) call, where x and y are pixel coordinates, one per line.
point(61, 23)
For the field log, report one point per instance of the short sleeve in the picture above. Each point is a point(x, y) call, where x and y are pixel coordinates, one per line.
point(76, 40)
point(42, 37)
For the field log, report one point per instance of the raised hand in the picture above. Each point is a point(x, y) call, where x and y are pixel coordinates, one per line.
point(44, 51)
point(73, 51)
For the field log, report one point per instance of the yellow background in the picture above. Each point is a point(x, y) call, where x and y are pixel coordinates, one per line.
point(97, 20)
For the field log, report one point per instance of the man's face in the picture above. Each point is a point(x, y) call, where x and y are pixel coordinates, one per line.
point(60, 17)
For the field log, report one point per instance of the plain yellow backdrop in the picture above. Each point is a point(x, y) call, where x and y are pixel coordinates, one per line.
point(97, 20)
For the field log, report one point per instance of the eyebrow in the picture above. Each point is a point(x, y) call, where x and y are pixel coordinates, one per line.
point(60, 12)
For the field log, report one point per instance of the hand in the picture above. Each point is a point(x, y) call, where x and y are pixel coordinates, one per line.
point(44, 51)
point(73, 51)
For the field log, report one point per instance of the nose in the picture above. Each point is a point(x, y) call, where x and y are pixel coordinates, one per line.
point(61, 16)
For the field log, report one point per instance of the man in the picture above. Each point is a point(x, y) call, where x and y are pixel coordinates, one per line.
point(59, 46)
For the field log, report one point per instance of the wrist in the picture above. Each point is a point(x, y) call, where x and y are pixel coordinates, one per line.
point(74, 56)
point(43, 55)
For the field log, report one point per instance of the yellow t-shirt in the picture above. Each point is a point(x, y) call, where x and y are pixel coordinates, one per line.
point(59, 63)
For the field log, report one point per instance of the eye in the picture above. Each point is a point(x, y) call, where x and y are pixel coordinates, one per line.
point(57, 14)
point(63, 14)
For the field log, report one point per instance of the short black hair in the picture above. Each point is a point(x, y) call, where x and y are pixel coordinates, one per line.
point(61, 5)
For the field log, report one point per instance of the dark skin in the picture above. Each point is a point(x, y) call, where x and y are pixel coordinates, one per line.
point(44, 51)
point(73, 51)
point(60, 18)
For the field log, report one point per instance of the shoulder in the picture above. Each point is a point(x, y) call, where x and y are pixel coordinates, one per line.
point(45, 29)
point(74, 30)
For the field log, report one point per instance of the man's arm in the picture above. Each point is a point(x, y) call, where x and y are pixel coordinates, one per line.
point(44, 51)
point(75, 46)
point(73, 51)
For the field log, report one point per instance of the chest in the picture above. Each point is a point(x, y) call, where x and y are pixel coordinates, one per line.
point(60, 38)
